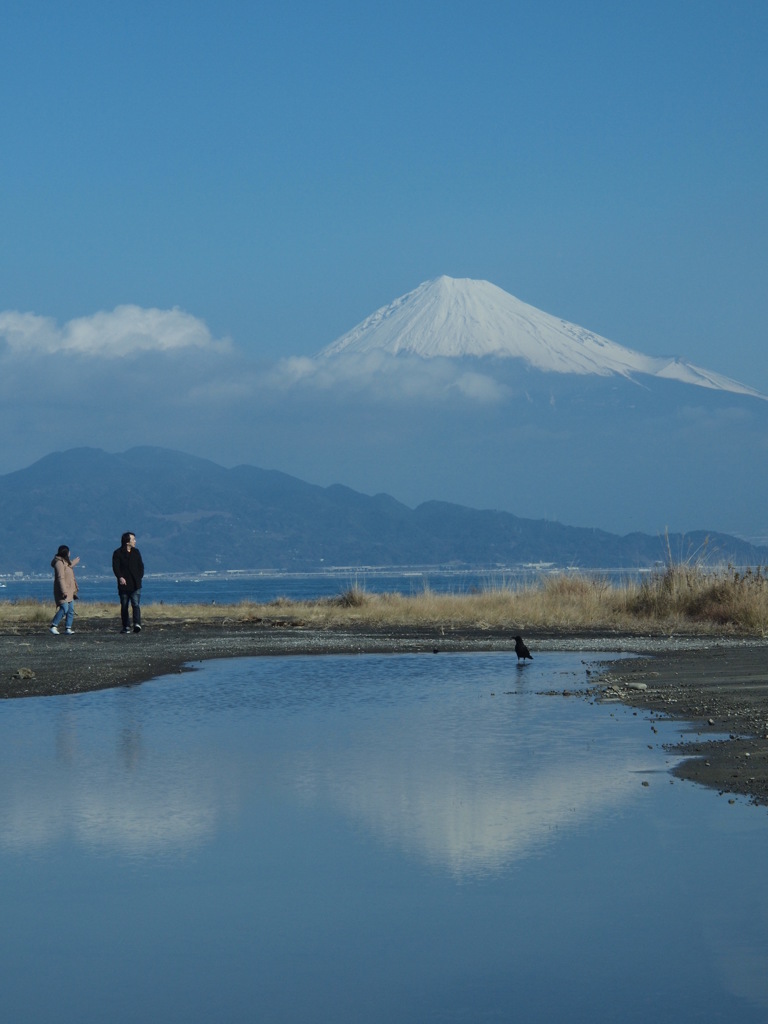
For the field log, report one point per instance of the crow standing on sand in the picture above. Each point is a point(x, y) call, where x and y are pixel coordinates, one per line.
point(521, 650)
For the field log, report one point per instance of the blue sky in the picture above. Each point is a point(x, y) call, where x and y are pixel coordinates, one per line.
point(277, 172)
point(282, 170)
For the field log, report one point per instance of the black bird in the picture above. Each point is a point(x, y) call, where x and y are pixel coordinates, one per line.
point(521, 650)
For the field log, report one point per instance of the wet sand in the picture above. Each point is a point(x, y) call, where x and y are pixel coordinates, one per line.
point(721, 693)
point(719, 686)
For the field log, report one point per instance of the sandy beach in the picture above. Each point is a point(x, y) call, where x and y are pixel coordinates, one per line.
point(718, 685)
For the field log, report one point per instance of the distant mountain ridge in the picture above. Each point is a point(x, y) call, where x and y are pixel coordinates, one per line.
point(192, 515)
point(461, 318)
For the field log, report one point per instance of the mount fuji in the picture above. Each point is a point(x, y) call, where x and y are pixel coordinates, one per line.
point(457, 319)
point(460, 392)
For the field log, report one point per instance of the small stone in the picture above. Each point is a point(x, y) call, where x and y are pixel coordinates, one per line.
point(637, 686)
point(711, 721)
point(24, 673)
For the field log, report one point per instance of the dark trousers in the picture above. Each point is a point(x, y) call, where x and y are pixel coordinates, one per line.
point(130, 601)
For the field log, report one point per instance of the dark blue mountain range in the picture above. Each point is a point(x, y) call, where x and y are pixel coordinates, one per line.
point(191, 515)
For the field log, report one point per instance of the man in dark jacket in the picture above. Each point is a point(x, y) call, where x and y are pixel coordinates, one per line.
point(129, 570)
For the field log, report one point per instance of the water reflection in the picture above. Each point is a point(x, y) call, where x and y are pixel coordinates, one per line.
point(465, 786)
point(327, 840)
point(104, 786)
point(469, 793)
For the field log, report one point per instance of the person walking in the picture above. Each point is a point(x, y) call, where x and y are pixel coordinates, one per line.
point(64, 589)
point(128, 567)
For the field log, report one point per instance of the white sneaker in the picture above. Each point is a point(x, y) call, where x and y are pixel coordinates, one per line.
point(70, 631)
point(54, 630)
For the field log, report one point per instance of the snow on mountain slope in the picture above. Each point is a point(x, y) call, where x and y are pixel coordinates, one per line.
point(452, 318)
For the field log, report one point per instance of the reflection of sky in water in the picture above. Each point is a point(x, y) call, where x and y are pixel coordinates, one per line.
point(370, 838)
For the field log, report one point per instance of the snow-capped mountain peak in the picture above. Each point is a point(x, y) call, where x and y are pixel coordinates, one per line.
point(456, 318)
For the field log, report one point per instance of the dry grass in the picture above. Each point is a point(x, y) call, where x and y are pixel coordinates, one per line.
point(725, 599)
point(679, 598)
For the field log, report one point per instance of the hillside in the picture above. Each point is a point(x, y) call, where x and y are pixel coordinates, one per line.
point(191, 515)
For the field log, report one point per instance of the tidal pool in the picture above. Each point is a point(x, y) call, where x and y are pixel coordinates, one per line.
point(411, 838)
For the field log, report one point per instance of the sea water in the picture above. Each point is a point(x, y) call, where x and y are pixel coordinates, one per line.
point(417, 838)
point(233, 587)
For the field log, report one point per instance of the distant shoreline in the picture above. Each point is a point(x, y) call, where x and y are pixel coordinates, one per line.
point(695, 679)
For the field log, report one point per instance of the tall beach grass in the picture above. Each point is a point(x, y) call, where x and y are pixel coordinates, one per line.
point(681, 597)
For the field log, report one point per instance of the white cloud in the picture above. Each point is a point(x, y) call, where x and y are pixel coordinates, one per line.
point(58, 383)
point(132, 330)
point(123, 332)
point(26, 332)
point(480, 387)
point(389, 377)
